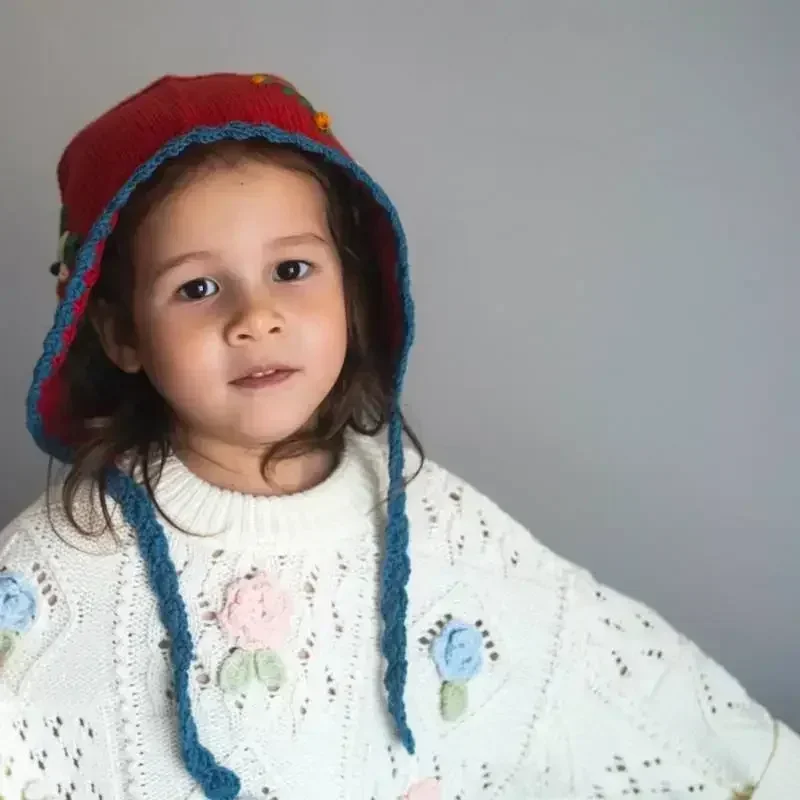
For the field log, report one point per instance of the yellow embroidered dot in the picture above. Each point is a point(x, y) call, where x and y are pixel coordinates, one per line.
point(323, 121)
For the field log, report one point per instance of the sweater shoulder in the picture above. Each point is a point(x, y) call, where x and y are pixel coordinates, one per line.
point(29, 545)
point(44, 534)
point(456, 522)
point(46, 572)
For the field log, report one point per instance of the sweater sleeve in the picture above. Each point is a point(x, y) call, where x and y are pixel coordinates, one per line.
point(629, 705)
point(678, 701)
point(782, 774)
point(44, 741)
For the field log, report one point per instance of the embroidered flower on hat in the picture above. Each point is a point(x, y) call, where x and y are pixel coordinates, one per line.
point(18, 602)
point(63, 277)
point(429, 789)
point(285, 86)
point(323, 121)
point(68, 245)
point(321, 118)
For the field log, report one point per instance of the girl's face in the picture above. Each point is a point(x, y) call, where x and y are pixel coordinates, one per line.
point(239, 307)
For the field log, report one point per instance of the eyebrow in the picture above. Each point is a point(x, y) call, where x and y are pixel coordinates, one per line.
point(302, 238)
point(176, 261)
point(208, 255)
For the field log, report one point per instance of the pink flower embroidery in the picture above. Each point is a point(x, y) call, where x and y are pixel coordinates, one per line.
point(429, 789)
point(257, 613)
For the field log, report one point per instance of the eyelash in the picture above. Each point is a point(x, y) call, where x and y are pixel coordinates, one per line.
point(209, 281)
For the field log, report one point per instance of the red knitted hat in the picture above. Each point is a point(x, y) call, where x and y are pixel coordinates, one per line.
point(110, 157)
point(100, 169)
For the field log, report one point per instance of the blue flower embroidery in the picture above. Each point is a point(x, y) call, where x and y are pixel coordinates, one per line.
point(18, 601)
point(458, 651)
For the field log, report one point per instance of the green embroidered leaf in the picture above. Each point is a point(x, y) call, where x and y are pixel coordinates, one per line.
point(270, 670)
point(454, 700)
point(236, 671)
point(8, 641)
point(71, 247)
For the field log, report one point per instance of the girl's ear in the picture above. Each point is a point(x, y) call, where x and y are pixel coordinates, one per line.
point(119, 350)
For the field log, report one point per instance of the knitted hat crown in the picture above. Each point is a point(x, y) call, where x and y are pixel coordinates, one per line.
point(100, 169)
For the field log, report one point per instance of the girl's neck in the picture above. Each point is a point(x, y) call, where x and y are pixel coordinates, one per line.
point(239, 469)
point(202, 497)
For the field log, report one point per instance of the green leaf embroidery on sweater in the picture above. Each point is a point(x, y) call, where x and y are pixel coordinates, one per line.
point(8, 641)
point(454, 698)
point(236, 671)
point(270, 670)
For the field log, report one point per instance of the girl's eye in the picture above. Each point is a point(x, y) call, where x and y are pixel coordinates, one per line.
point(291, 271)
point(198, 289)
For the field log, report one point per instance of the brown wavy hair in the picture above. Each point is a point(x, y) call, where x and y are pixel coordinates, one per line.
point(119, 414)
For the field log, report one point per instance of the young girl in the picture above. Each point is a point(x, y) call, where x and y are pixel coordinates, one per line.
point(236, 589)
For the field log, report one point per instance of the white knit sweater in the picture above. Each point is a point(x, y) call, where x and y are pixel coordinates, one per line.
point(575, 693)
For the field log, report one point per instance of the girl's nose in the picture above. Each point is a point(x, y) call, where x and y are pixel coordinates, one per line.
point(253, 320)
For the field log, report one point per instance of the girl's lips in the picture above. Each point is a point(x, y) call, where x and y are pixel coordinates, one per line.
point(265, 377)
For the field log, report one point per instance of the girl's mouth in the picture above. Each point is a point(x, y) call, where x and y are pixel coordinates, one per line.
point(261, 378)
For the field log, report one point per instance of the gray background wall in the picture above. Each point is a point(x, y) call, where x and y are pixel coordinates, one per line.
point(601, 200)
